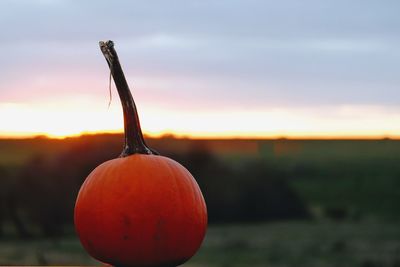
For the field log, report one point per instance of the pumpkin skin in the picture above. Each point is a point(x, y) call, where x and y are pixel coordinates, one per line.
point(141, 210)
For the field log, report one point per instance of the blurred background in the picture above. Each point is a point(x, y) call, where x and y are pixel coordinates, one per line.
point(286, 112)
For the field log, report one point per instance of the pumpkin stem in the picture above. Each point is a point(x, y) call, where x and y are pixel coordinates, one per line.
point(134, 141)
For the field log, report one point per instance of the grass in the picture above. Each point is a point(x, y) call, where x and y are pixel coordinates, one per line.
point(308, 244)
point(302, 244)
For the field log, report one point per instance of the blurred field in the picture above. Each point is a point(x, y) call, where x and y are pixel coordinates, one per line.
point(361, 177)
point(271, 202)
point(275, 244)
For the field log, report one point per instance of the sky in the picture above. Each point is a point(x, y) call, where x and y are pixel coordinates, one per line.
point(209, 68)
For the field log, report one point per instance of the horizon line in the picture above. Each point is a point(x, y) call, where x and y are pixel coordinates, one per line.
point(206, 137)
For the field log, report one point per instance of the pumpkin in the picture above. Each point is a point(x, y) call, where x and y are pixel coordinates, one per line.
point(140, 209)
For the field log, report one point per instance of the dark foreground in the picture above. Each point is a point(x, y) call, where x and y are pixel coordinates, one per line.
point(364, 244)
point(270, 202)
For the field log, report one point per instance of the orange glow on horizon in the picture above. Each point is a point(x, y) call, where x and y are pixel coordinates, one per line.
point(221, 136)
point(65, 119)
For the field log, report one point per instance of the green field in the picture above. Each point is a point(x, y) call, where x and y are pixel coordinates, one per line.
point(274, 244)
point(350, 187)
point(359, 177)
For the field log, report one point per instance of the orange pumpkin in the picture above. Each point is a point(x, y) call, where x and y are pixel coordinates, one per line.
point(141, 209)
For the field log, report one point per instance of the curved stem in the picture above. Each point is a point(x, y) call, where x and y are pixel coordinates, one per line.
point(134, 141)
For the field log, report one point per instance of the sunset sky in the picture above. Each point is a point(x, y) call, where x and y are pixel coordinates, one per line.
point(203, 68)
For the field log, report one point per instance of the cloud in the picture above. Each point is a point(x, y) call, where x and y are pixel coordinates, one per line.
point(240, 53)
